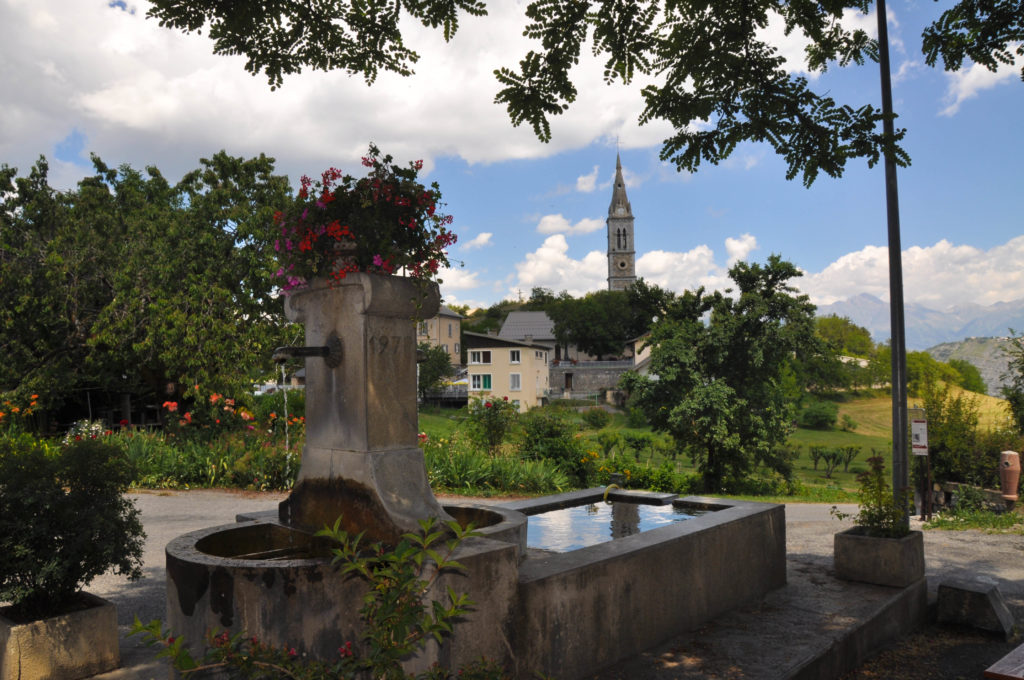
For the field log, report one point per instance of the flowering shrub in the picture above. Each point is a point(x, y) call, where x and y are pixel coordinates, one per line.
point(85, 429)
point(381, 223)
point(488, 421)
point(15, 417)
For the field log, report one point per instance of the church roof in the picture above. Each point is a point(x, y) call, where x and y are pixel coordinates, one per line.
point(619, 191)
point(519, 325)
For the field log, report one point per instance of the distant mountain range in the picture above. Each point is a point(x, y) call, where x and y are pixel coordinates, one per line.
point(926, 327)
point(974, 333)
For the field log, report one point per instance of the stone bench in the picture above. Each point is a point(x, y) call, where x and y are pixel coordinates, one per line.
point(1010, 667)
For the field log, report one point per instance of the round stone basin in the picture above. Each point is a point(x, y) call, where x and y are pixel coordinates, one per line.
point(270, 542)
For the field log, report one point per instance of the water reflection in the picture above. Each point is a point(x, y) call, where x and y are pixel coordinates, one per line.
point(584, 525)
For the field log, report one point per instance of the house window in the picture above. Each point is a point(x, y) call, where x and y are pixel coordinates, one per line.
point(515, 382)
point(456, 348)
point(480, 381)
point(444, 347)
point(514, 356)
point(478, 356)
point(515, 402)
point(423, 328)
point(449, 330)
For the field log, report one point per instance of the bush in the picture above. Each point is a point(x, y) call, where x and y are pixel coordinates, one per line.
point(819, 415)
point(454, 466)
point(551, 436)
point(596, 418)
point(635, 418)
point(64, 520)
point(489, 420)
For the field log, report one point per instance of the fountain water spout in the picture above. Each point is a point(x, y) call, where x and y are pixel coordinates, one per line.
point(331, 352)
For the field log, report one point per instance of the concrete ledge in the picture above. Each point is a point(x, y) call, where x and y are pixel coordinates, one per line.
point(975, 604)
point(902, 613)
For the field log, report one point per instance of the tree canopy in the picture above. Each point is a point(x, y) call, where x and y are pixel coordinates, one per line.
point(707, 62)
point(844, 336)
point(432, 370)
point(717, 370)
point(1013, 390)
point(128, 284)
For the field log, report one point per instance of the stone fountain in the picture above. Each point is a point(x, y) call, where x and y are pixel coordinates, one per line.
point(566, 615)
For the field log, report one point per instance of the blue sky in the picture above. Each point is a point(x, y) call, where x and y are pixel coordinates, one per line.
point(84, 76)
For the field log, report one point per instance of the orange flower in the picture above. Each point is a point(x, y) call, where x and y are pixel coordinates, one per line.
point(34, 396)
point(15, 410)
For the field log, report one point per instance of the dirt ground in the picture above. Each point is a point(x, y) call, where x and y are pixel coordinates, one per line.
point(939, 652)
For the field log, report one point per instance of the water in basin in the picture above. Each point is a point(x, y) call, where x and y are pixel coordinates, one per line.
point(579, 526)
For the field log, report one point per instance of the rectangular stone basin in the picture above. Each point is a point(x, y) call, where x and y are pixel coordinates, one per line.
point(577, 612)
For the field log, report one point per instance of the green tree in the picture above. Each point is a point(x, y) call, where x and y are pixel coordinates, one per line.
point(970, 376)
point(953, 436)
point(602, 322)
point(50, 290)
point(718, 387)
point(844, 336)
point(597, 323)
point(127, 283)
point(1013, 389)
point(923, 368)
point(435, 366)
point(706, 63)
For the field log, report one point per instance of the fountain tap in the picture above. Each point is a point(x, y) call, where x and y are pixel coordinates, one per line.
point(331, 352)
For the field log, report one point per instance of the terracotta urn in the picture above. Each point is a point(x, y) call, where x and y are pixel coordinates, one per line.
point(1009, 474)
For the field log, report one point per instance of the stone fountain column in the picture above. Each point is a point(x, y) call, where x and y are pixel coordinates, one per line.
point(361, 461)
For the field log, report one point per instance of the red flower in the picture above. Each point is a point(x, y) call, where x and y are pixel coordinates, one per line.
point(487, 405)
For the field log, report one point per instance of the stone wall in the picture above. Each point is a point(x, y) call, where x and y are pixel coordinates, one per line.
point(587, 377)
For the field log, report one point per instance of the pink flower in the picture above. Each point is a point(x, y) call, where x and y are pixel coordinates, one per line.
point(378, 260)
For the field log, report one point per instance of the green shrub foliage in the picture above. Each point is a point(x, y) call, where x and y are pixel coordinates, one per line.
point(596, 417)
point(64, 520)
point(820, 415)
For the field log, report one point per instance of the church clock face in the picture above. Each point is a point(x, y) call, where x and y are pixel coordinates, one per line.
point(620, 210)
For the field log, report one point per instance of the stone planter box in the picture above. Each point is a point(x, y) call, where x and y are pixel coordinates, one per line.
point(896, 562)
point(63, 647)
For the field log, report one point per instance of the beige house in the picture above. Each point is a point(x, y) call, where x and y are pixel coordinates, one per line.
point(444, 330)
point(501, 367)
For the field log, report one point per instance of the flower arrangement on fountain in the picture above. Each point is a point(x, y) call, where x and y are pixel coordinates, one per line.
point(385, 223)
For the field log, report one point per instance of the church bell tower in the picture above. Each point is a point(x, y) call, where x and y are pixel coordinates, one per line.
point(621, 252)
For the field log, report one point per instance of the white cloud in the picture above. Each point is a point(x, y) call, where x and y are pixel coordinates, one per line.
point(682, 271)
point(551, 267)
point(739, 248)
point(967, 83)
point(940, 277)
point(142, 94)
point(557, 224)
point(587, 183)
point(479, 241)
point(457, 278)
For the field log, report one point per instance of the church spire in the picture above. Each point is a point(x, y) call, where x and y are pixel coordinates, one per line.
point(619, 199)
point(621, 250)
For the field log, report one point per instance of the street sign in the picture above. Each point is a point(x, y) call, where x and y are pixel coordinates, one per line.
point(918, 432)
